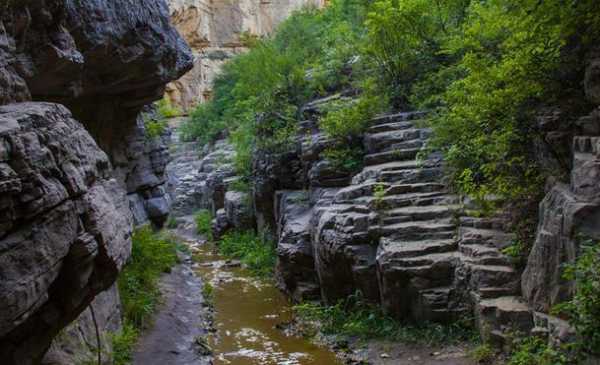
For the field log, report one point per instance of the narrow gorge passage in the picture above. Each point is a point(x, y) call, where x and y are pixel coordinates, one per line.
point(214, 311)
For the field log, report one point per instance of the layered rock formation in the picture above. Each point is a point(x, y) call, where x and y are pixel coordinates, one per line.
point(65, 175)
point(215, 30)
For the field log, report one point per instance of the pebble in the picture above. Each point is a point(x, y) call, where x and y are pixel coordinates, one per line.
point(384, 356)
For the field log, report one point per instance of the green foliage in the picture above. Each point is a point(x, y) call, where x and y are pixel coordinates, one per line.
point(255, 251)
point(379, 195)
point(240, 185)
point(154, 128)
point(203, 219)
point(482, 354)
point(344, 158)
point(583, 309)
point(152, 254)
point(172, 222)
point(404, 39)
point(208, 292)
point(356, 317)
point(508, 55)
point(534, 350)
point(344, 121)
point(165, 109)
point(123, 343)
point(258, 94)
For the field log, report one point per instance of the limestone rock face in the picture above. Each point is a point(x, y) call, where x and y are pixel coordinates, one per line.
point(214, 29)
point(68, 178)
point(65, 226)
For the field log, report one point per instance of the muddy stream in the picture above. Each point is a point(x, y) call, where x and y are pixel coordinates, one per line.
point(247, 312)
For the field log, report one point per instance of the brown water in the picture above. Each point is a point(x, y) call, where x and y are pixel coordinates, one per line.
point(247, 311)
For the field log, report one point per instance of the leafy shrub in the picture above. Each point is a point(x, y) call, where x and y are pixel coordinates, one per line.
point(534, 350)
point(154, 128)
point(583, 309)
point(166, 110)
point(344, 121)
point(203, 219)
point(344, 158)
point(255, 252)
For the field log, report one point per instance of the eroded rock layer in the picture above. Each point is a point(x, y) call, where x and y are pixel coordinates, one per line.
point(67, 175)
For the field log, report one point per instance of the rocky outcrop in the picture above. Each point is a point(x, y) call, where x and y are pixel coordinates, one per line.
point(65, 226)
point(67, 175)
point(215, 31)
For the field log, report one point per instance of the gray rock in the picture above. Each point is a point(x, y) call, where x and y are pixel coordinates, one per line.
point(238, 208)
point(65, 225)
point(295, 270)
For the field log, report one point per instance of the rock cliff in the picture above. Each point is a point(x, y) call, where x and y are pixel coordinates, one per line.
point(74, 77)
point(215, 29)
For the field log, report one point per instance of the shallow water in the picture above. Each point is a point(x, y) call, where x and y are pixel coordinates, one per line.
point(247, 311)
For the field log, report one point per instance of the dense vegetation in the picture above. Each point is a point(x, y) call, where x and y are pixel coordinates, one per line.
point(482, 68)
point(151, 255)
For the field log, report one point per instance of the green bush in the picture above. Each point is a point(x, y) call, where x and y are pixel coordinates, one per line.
point(166, 110)
point(203, 219)
point(583, 309)
point(152, 254)
point(345, 121)
point(534, 350)
point(255, 252)
point(123, 343)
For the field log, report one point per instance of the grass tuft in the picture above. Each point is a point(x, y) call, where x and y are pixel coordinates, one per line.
point(255, 252)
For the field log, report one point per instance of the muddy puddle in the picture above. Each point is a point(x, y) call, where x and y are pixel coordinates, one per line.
point(247, 312)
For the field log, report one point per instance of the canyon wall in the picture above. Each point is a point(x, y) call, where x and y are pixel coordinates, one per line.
point(215, 30)
point(74, 76)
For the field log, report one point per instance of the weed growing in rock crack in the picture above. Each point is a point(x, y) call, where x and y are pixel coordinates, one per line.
point(356, 317)
point(208, 292)
point(152, 254)
point(379, 195)
point(203, 219)
point(254, 251)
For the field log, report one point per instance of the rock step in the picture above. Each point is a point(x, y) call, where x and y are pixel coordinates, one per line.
point(398, 117)
point(405, 145)
point(422, 265)
point(419, 213)
point(492, 275)
point(494, 292)
point(419, 199)
point(432, 174)
point(378, 141)
point(476, 250)
point(427, 187)
point(404, 249)
point(390, 127)
point(390, 156)
point(483, 223)
point(373, 172)
point(413, 231)
point(489, 237)
point(493, 313)
point(436, 299)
